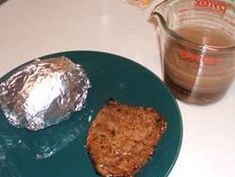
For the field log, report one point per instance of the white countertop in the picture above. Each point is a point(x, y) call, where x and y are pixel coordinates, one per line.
point(30, 29)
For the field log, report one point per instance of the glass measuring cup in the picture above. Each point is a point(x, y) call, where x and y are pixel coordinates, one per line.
point(197, 47)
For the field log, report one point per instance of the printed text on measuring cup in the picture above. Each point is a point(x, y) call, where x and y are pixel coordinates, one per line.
point(186, 55)
point(215, 5)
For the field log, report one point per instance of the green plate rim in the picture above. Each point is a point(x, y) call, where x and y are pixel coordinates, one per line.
point(179, 145)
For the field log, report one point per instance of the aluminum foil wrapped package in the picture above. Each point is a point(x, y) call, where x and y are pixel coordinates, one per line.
point(43, 93)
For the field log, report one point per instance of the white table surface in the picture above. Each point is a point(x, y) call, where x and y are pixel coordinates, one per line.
point(30, 29)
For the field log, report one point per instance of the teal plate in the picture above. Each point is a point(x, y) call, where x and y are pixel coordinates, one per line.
point(59, 151)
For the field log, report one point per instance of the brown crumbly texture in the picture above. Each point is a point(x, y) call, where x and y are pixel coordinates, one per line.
point(122, 138)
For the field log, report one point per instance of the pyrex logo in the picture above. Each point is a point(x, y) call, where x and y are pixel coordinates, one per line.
point(216, 5)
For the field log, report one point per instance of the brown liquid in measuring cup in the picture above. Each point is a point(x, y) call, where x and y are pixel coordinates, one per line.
point(196, 75)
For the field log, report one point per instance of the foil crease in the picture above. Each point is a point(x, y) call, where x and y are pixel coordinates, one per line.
point(43, 93)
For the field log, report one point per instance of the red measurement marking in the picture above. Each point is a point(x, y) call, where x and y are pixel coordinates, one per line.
point(186, 55)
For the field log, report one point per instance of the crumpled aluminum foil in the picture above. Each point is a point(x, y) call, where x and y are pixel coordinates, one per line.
point(43, 93)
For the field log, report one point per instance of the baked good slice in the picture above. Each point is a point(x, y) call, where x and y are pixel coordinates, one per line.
point(123, 137)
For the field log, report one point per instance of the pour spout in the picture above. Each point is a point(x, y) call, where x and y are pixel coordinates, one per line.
point(160, 11)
